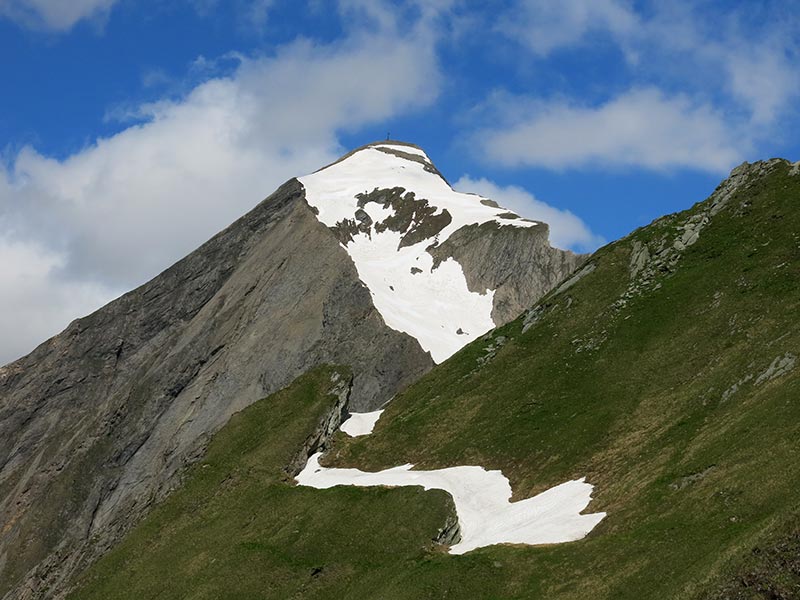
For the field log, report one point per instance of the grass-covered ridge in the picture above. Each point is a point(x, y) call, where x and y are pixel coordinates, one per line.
point(666, 375)
point(240, 528)
point(663, 387)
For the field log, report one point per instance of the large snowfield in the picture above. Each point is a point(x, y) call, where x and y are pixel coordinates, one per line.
point(434, 306)
point(482, 499)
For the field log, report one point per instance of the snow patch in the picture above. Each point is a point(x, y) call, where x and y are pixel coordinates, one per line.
point(431, 306)
point(358, 424)
point(482, 499)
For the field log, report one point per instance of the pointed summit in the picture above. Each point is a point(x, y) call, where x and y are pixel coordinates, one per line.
point(396, 215)
point(397, 148)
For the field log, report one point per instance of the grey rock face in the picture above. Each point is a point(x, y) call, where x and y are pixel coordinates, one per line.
point(450, 532)
point(518, 263)
point(640, 256)
point(586, 270)
point(319, 440)
point(97, 423)
point(777, 368)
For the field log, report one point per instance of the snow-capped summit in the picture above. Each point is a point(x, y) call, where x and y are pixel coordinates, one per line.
point(394, 214)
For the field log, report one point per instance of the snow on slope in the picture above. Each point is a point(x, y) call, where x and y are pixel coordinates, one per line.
point(432, 305)
point(358, 424)
point(486, 515)
point(482, 499)
point(407, 149)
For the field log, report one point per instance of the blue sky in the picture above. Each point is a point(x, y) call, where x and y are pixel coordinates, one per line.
point(132, 131)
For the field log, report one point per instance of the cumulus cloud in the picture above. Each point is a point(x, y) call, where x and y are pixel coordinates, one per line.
point(113, 215)
point(35, 301)
point(747, 58)
point(57, 15)
point(567, 230)
point(750, 54)
point(640, 128)
point(765, 79)
point(545, 26)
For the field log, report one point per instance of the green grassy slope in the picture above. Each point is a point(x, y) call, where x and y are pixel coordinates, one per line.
point(649, 386)
point(239, 528)
point(672, 387)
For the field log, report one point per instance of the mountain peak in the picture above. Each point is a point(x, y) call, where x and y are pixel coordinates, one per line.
point(374, 262)
point(396, 215)
point(401, 150)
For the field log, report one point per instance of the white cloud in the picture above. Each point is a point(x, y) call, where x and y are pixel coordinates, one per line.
point(566, 229)
point(372, 13)
point(749, 54)
point(257, 12)
point(35, 301)
point(641, 128)
point(124, 208)
point(765, 79)
point(57, 15)
point(545, 26)
point(745, 57)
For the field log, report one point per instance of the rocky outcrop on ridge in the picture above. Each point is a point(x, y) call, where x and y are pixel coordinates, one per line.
point(519, 264)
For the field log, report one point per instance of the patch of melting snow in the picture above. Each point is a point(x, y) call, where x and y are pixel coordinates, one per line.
point(482, 499)
point(429, 304)
point(358, 424)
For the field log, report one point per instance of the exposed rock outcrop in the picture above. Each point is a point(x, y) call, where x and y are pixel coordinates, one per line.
point(519, 264)
point(652, 261)
point(320, 439)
